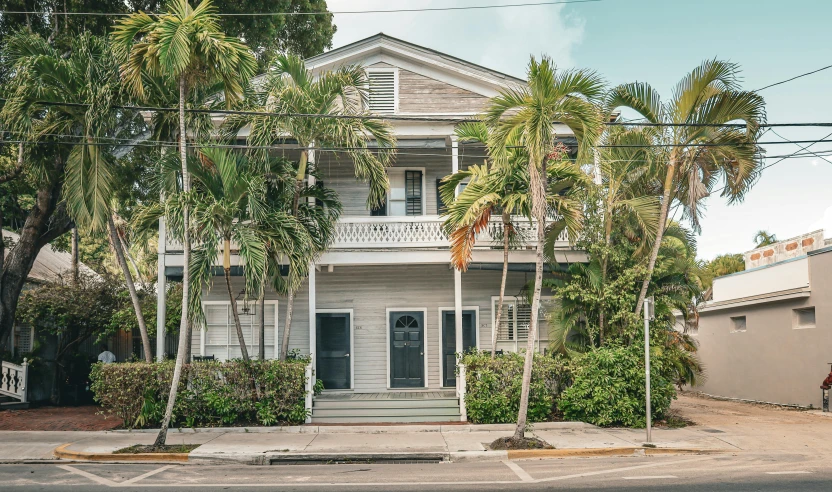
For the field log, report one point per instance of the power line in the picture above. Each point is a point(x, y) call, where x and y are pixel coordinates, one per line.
point(793, 78)
point(341, 12)
point(804, 148)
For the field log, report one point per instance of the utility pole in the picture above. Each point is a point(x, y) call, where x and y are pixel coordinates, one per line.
point(648, 315)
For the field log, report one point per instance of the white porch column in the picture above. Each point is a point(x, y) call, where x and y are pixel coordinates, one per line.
point(457, 273)
point(312, 320)
point(161, 293)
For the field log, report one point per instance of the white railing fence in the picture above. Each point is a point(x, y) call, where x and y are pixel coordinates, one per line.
point(13, 379)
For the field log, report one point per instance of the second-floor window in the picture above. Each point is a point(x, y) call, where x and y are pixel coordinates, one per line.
point(406, 196)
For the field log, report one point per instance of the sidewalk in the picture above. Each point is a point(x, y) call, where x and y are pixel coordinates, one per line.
point(331, 443)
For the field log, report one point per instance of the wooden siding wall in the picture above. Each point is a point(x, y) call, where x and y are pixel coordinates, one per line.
point(369, 291)
point(421, 94)
point(338, 174)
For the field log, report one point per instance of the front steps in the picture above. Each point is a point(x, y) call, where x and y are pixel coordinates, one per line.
point(385, 407)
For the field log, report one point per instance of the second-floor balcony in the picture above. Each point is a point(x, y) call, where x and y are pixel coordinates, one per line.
point(422, 231)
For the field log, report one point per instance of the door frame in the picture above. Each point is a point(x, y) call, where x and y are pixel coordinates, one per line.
point(352, 342)
point(440, 310)
point(425, 343)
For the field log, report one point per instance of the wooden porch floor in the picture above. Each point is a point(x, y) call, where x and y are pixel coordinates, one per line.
point(398, 395)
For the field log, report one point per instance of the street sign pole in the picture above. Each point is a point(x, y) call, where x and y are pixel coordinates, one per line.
point(648, 314)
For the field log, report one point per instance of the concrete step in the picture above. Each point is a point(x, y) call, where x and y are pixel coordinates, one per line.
point(426, 403)
point(13, 405)
point(385, 412)
point(382, 419)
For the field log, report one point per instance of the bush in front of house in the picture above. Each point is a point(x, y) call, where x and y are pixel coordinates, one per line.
point(492, 394)
point(609, 388)
point(229, 393)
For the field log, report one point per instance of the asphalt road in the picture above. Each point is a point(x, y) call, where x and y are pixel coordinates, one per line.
point(741, 472)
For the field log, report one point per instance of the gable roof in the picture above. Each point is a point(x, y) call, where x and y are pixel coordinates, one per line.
point(50, 265)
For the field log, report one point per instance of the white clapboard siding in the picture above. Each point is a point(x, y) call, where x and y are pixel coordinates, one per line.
point(370, 290)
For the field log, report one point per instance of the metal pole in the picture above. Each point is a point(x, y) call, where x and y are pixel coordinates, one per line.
point(647, 361)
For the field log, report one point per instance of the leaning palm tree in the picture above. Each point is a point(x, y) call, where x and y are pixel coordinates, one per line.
point(290, 89)
point(502, 190)
point(764, 238)
point(695, 147)
point(528, 116)
point(186, 44)
point(87, 73)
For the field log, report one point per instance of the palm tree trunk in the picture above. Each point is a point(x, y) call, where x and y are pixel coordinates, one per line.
point(261, 323)
point(132, 260)
point(654, 253)
point(506, 229)
point(604, 263)
point(538, 187)
point(284, 344)
point(184, 327)
point(75, 256)
point(128, 279)
point(237, 325)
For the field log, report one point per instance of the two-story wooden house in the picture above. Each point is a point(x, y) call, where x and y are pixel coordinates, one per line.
point(383, 313)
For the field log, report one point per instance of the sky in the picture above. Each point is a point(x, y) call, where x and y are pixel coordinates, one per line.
point(659, 41)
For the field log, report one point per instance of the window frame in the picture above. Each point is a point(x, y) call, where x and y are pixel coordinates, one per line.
point(231, 331)
point(511, 300)
point(386, 206)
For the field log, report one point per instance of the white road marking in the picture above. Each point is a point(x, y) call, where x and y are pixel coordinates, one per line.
point(652, 477)
point(521, 473)
point(148, 474)
point(618, 470)
point(94, 478)
point(789, 472)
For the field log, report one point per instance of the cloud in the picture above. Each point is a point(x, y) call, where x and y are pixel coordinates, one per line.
point(824, 223)
point(500, 39)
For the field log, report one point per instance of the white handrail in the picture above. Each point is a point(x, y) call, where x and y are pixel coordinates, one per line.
point(460, 391)
point(310, 389)
point(13, 380)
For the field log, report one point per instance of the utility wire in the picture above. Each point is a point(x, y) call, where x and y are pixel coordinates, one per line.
point(341, 12)
point(803, 148)
point(793, 78)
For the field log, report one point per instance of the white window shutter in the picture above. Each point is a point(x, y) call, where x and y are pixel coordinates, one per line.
point(383, 91)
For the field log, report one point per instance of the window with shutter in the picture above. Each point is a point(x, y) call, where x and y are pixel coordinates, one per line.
point(383, 90)
point(220, 334)
point(406, 194)
point(516, 318)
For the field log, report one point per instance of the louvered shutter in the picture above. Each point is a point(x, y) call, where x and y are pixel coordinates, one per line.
point(382, 91)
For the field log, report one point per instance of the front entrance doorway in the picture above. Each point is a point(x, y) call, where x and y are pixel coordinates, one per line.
point(333, 335)
point(407, 349)
point(469, 341)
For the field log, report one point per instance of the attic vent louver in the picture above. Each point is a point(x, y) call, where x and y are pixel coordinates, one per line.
point(382, 91)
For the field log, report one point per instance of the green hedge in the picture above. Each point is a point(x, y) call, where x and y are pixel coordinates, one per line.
point(210, 393)
point(493, 386)
point(609, 387)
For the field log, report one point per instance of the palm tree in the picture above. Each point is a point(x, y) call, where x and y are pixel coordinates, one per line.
point(502, 190)
point(622, 168)
point(186, 44)
point(528, 116)
point(87, 73)
point(290, 89)
point(695, 150)
point(764, 238)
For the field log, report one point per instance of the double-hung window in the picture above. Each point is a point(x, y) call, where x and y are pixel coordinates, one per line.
point(219, 336)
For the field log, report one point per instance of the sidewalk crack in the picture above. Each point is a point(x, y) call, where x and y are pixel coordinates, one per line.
point(310, 442)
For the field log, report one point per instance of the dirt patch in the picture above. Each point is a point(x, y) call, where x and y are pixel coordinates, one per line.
point(168, 448)
point(48, 418)
point(674, 420)
point(711, 412)
point(509, 443)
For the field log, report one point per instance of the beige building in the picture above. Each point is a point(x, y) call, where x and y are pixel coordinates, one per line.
point(766, 335)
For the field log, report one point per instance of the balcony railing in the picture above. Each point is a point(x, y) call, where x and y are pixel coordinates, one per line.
point(424, 231)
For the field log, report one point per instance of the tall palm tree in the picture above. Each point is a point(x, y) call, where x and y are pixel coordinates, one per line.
point(529, 116)
point(289, 89)
point(86, 73)
point(186, 44)
point(694, 149)
point(502, 190)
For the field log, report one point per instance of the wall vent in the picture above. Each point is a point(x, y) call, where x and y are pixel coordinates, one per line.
point(383, 91)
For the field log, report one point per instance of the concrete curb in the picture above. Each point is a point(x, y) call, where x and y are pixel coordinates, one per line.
point(367, 429)
point(522, 454)
point(63, 453)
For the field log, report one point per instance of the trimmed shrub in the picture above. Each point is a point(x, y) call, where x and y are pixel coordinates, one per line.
point(210, 393)
point(493, 387)
point(609, 387)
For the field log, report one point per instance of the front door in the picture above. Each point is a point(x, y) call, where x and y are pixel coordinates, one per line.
point(469, 341)
point(407, 349)
point(333, 350)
